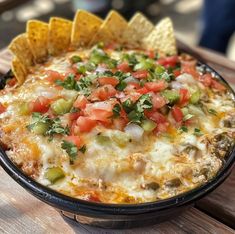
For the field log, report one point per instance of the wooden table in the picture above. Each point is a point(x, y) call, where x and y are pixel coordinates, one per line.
point(21, 213)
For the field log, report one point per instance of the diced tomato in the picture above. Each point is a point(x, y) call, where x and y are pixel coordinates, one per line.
point(141, 74)
point(93, 197)
point(177, 114)
point(206, 79)
point(156, 86)
point(190, 68)
point(158, 101)
point(80, 102)
point(76, 140)
point(151, 54)
point(108, 81)
point(100, 111)
point(52, 76)
point(85, 124)
point(41, 104)
point(184, 97)
point(176, 72)
point(124, 67)
point(162, 127)
point(2, 108)
point(11, 82)
point(133, 96)
point(218, 86)
point(100, 115)
point(143, 90)
point(119, 123)
point(74, 116)
point(156, 116)
point(104, 92)
point(168, 61)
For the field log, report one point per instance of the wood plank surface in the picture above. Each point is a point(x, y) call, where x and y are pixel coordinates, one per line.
point(20, 212)
point(221, 203)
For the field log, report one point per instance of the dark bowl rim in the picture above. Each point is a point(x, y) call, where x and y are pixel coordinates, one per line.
point(79, 206)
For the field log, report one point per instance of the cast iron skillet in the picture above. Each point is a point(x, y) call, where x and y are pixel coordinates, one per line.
point(114, 215)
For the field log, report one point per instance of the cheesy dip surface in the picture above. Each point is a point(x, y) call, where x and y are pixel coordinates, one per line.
point(118, 126)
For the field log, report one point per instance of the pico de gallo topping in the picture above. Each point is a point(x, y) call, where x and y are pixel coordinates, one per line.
point(132, 91)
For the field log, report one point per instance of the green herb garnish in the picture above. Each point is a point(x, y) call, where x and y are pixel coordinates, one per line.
point(116, 110)
point(197, 132)
point(71, 149)
point(212, 111)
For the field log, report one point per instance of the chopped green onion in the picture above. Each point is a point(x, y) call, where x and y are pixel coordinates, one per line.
point(195, 97)
point(61, 106)
point(148, 125)
point(40, 128)
point(103, 140)
point(171, 95)
point(24, 108)
point(54, 174)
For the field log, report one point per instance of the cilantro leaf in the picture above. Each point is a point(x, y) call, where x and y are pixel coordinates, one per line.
point(197, 132)
point(71, 149)
point(69, 83)
point(83, 149)
point(144, 102)
point(116, 110)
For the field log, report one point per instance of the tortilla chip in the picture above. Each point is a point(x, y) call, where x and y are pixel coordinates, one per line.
point(59, 35)
point(162, 38)
point(111, 29)
point(19, 70)
point(85, 25)
point(21, 49)
point(37, 33)
point(138, 28)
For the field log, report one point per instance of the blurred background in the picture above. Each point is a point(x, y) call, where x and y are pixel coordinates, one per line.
point(208, 23)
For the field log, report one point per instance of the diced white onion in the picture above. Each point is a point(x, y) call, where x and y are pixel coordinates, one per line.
point(135, 131)
point(176, 85)
point(186, 78)
point(131, 79)
point(101, 69)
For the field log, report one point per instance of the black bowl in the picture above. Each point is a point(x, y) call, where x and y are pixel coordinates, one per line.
point(113, 215)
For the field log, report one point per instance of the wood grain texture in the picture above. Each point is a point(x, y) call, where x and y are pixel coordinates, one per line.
point(22, 213)
point(221, 203)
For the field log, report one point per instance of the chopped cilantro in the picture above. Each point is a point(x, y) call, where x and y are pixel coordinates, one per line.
point(69, 83)
point(130, 58)
point(144, 102)
point(71, 149)
point(183, 129)
point(81, 68)
point(197, 132)
point(83, 149)
point(46, 126)
point(135, 116)
point(127, 105)
point(121, 86)
point(116, 110)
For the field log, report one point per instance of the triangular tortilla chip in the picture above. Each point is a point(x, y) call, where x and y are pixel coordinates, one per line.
point(138, 28)
point(37, 33)
point(162, 38)
point(59, 35)
point(21, 49)
point(18, 70)
point(85, 25)
point(111, 29)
